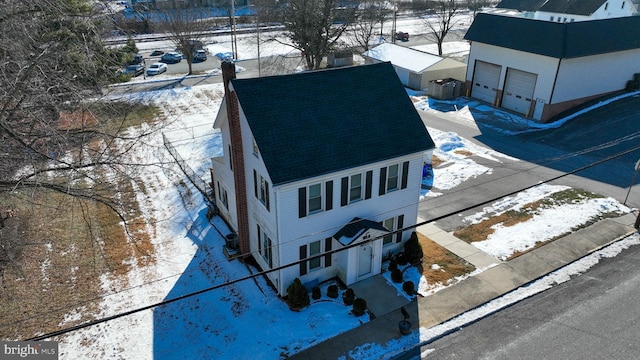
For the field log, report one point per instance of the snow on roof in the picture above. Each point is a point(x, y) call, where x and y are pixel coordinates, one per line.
point(404, 57)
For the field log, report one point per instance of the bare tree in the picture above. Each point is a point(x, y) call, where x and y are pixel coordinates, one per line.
point(442, 20)
point(186, 28)
point(314, 27)
point(370, 13)
point(52, 140)
point(475, 5)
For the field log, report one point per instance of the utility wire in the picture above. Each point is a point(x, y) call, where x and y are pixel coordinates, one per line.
point(264, 272)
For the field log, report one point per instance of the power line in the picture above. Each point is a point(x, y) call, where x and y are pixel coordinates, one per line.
point(264, 272)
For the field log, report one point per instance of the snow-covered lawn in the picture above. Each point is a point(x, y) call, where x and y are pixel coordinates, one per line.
point(246, 319)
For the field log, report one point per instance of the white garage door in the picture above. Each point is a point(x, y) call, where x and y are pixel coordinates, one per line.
point(518, 90)
point(485, 81)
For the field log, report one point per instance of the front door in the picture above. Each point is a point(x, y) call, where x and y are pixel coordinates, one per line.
point(365, 257)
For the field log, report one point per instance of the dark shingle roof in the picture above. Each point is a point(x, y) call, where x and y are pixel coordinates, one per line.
point(558, 40)
point(577, 7)
point(521, 5)
point(316, 123)
point(348, 233)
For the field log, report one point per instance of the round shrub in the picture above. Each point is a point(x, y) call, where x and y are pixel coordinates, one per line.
point(297, 295)
point(413, 249)
point(332, 291)
point(396, 275)
point(348, 296)
point(393, 265)
point(316, 293)
point(359, 307)
point(401, 258)
point(409, 287)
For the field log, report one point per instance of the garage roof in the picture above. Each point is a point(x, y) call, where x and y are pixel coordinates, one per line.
point(413, 60)
point(558, 40)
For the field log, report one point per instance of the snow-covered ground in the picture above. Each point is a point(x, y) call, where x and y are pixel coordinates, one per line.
point(246, 319)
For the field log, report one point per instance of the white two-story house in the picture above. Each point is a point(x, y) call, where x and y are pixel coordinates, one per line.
point(319, 170)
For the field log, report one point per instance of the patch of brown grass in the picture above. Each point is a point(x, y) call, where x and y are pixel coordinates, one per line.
point(450, 265)
point(70, 244)
point(482, 230)
point(463, 152)
point(436, 161)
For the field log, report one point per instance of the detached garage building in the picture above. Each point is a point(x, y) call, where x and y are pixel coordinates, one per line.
point(416, 68)
point(540, 68)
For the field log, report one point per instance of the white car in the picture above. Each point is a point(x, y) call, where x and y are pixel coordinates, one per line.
point(156, 68)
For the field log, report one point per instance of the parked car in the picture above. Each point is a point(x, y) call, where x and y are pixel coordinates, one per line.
point(200, 56)
point(156, 68)
point(157, 53)
point(138, 59)
point(402, 36)
point(134, 70)
point(171, 58)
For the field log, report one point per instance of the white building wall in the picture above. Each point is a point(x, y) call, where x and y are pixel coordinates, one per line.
point(559, 17)
point(594, 75)
point(609, 9)
point(223, 175)
point(257, 211)
point(544, 66)
point(613, 9)
point(295, 231)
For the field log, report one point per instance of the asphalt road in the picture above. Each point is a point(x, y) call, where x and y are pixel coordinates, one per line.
point(545, 155)
point(593, 316)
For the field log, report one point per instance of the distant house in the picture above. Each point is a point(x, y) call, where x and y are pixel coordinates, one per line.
point(316, 165)
point(540, 68)
point(415, 68)
point(572, 10)
point(583, 10)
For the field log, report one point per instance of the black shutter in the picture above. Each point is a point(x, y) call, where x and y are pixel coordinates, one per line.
point(302, 202)
point(329, 195)
point(405, 174)
point(327, 248)
point(400, 225)
point(259, 240)
point(344, 191)
point(255, 183)
point(303, 264)
point(266, 194)
point(368, 181)
point(383, 181)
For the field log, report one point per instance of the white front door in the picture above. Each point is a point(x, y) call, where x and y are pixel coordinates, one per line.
point(365, 257)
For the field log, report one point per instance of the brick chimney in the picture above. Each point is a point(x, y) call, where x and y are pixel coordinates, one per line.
point(237, 157)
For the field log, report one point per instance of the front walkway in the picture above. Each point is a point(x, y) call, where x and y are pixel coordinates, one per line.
point(381, 297)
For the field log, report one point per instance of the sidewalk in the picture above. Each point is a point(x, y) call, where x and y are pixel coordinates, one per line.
point(499, 279)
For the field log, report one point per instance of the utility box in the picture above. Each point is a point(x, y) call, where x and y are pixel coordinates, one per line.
point(445, 89)
point(340, 58)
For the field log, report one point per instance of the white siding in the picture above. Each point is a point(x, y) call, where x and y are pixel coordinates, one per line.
point(222, 171)
point(295, 231)
point(544, 66)
point(593, 75)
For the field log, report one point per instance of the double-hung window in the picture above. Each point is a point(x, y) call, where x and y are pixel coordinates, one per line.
point(261, 189)
point(393, 177)
point(312, 251)
point(393, 224)
point(355, 188)
point(265, 246)
point(315, 198)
